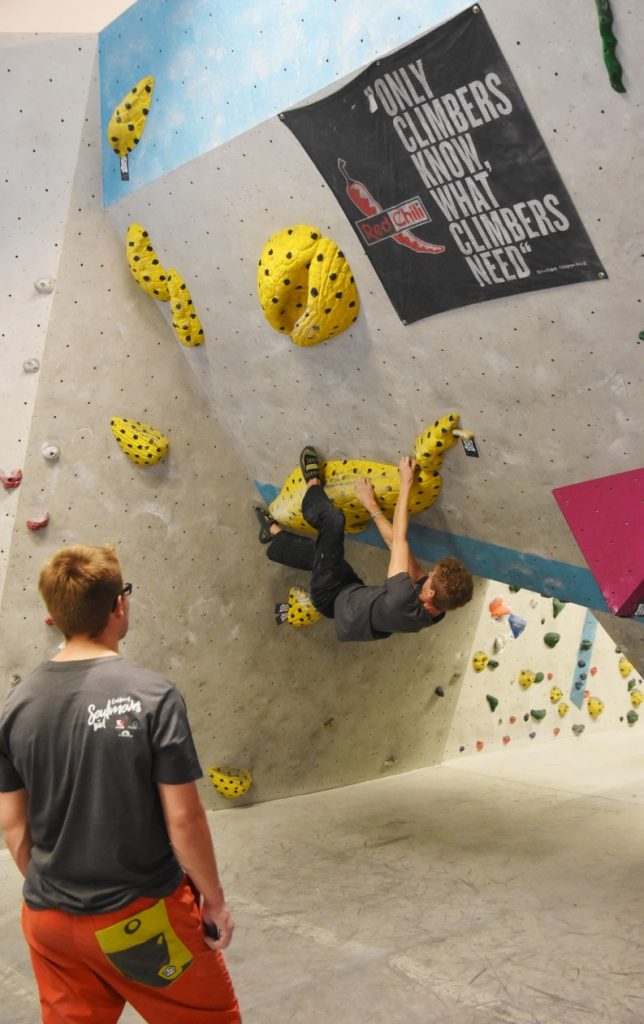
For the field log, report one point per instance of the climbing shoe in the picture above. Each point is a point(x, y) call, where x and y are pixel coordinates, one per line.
point(309, 463)
point(265, 523)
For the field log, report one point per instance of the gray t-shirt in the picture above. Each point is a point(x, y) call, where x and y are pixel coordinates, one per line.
point(89, 740)
point(374, 613)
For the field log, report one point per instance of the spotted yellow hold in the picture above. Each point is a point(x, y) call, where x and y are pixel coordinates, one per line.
point(479, 661)
point(142, 443)
point(230, 782)
point(186, 323)
point(128, 120)
point(526, 678)
point(300, 610)
point(339, 478)
point(145, 266)
point(305, 285)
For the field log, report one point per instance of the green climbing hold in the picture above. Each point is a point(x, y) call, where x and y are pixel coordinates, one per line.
point(641, 335)
point(492, 664)
point(552, 639)
point(538, 677)
point(539, 715)
point(578, 729)
point(585, 645)
point(632, 683)
point(492, 701)
point(557, 606)
point(512, 588)
point(609, 43)
point(632, 717)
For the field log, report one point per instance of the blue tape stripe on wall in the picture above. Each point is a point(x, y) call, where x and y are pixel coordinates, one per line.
point(223, 67)
point(580, 675)
point(543, 575)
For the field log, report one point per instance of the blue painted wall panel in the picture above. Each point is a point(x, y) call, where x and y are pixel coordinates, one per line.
point(221, 68)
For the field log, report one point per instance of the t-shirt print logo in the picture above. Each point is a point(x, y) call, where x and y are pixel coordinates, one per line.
point(119, 708)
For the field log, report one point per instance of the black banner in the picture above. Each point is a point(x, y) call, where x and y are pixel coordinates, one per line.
point(434, 157)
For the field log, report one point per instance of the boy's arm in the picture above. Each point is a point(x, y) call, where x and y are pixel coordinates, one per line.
point(367, 497)
point(14, 825)
point(189, 834)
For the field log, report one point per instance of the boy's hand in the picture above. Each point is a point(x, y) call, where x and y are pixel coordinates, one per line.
point(366, 494)
point(406, 468)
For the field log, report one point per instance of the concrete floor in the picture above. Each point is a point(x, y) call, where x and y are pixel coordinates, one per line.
point(500, 888)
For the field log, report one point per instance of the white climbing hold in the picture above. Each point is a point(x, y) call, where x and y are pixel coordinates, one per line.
point(44, 285)
point(51, 452)
point(499, 643)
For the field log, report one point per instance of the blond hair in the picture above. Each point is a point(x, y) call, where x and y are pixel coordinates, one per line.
point(79, 585)
point(452, 584)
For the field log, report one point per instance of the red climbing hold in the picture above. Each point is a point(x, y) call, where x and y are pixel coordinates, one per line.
point(593, 671)
point(498, 608)
point(48, 620)
point(480, 744)
point(506, 740)
point(10, 479)
point(513, 719)
point(556, 730)
point(39, 523)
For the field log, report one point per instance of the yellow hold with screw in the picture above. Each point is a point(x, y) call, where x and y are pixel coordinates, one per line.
point(230, 782)
point(339, 477)
point(142, 443)
point(186, 323)
point(305, 285)
point(128, 120)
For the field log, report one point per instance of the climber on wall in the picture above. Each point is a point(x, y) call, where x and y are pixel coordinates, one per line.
point(409, 600)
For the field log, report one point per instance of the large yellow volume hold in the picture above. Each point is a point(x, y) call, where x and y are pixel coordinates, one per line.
point(339, 479)
point(142, 443)
point(128, 121)
point(230, 782)
point(305, 285)
point(145, 266)
point(186, 323)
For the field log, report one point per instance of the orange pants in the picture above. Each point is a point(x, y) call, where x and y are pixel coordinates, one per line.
point(150, 954)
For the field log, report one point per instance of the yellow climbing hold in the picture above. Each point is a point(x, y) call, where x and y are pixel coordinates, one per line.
point(145, 266)
point(300, 608)
point(555, 694)
point(526, 678)
point(625, 667)
point(128, 121)
point(636, 698)
point(142, 443)
point(479, 661)
point(340, 475)
point(186, 323)
point(563, 709)
point(305, 285)
point(230, 782)
point(595, 707)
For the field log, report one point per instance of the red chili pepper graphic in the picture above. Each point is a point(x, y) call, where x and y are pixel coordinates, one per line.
point(361, 197)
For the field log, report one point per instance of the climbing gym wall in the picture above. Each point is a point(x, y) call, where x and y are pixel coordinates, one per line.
point(290, 706)
point(45, 85)
point(540, 669)
point(547, 381)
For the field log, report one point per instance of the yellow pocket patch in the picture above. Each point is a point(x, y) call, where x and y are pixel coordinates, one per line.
point(146, 948)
